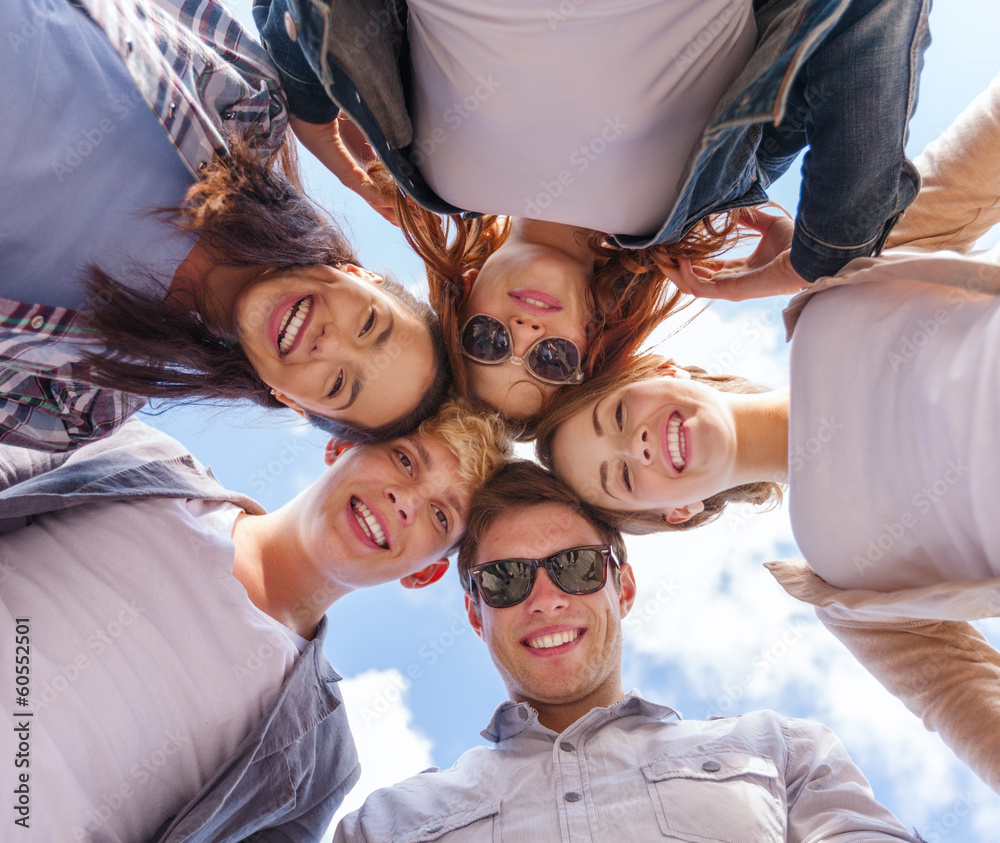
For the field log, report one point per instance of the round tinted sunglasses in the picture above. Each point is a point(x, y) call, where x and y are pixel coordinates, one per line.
point(576, 570)
point(554, 360)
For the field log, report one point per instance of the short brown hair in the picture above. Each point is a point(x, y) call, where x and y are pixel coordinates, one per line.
point(568, 404)
point(518, 485)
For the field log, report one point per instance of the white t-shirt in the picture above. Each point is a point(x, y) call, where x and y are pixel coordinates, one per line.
point(149, 665)
point(894, 435)
point(582, 112)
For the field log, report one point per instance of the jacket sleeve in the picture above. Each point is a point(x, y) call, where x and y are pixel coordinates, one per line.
point(944, 672)
point(960, 196)
point(307, 98)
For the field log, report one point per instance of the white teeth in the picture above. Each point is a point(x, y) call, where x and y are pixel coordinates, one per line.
point(675, 444)
point(536, 303)
point(544, 642)
point(291, 322)
point(369, 523)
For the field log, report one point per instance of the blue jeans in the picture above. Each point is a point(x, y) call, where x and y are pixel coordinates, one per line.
point(850, 102)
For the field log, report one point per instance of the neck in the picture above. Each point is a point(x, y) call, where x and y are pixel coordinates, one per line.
point(761, 436)
point(274, 567)
point(560, 716)
point(204, 284)
point(569, 239)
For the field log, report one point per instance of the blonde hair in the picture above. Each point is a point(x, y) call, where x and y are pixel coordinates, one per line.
point(643, 522)
point(481, 441)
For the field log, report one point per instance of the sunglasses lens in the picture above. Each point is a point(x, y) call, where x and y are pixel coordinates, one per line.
point(505, 583)
point(554, 359)
point(484, 338)
point(578, 571)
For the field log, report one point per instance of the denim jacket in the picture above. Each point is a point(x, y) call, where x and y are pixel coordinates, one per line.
point(796, 90)
point(291, 773)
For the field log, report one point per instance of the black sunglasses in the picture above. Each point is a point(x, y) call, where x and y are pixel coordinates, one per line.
point(554, 360)
point(576, 570)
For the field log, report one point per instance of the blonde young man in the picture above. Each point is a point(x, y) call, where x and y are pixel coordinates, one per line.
point(174, 683)
point(571, 755)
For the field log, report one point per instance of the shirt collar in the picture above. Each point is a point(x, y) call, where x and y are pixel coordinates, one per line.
point(511, 718)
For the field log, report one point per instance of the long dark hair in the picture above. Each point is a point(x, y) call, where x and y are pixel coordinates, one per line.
point(246, 214)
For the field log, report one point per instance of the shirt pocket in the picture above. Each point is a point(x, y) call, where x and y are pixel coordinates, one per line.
point(479, 824)
point(725, 797)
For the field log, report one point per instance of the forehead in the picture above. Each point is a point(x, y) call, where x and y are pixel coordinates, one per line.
point(534, 532)
point(507, 387)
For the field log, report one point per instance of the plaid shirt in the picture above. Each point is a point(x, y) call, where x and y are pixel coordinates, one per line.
point(200, 72)
point(204, 77)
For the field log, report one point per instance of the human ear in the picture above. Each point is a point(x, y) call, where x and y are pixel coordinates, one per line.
point(288, 402)
point(469, 277)
point(669, 370)
point(334, 448)
point(360, 272)
point(423, 578)
point(680, 514)
point(472, 610)
point(626, 591)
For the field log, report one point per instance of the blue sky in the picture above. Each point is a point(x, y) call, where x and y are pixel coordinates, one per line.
point(711, 632)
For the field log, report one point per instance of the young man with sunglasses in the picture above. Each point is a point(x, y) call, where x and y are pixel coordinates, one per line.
point(573, 757)
point(171, 681)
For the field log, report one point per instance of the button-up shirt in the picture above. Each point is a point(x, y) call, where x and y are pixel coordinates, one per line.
point(204, 77)
point(635, 771)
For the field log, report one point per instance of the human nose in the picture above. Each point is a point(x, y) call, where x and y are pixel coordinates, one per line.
point(636, 444)
point(328, 343)
point(406, 501)
point(524, 333)
point(546, 597)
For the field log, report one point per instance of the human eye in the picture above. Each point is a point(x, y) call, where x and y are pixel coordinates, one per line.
point(337, 385)
point(369, 324)
point(441, 516)
point(626, 477)
point(619, 409)
point(404, 461)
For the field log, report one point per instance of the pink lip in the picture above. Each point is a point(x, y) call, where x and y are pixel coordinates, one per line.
point(360, 533)
point(550, 652)
point(552, 305)
point(685, 442)
point(274, 323)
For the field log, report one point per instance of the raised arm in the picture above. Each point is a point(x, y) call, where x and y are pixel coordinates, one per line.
point(945, 673)
point(959, 199)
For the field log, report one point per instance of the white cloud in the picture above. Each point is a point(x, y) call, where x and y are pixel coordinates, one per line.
point(389, 747)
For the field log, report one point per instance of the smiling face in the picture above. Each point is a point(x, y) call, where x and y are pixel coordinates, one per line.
point(665, 443)
point(330, 342)
point(553, 649)
point(535, 291)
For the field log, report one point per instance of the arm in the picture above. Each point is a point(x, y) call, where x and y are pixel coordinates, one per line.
point(945, 673)
point(829, 798)
point(959, 199)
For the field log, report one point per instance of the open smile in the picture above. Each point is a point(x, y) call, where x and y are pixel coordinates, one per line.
point(533, 301)
point(368, 522)
point(675, 442)
point(553, 641)
point(290, 328)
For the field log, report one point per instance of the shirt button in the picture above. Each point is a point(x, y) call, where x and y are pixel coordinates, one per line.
point(711, 766)
point(172, 109)
point(572, 796)
point(437, 826)
point(567, 746)
point(522, 714)
point(291, 27)
point(37, 322)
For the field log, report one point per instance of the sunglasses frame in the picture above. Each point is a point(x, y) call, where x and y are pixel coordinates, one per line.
point(607, 556)
point(575, 378)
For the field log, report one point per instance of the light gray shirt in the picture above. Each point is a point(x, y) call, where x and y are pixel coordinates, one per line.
point(635, 771)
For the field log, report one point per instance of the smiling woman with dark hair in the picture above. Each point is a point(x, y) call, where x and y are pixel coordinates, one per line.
point(153, 246)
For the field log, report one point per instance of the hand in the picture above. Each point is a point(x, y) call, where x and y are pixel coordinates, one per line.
point(343, 150)
point(767, 271)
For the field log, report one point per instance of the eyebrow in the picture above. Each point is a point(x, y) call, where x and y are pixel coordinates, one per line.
point(604, 479)
point(597, 425)
point(450, 497)
point(359, 381)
